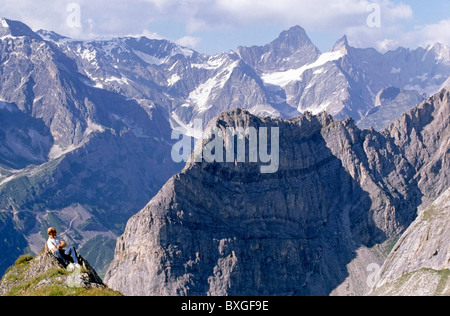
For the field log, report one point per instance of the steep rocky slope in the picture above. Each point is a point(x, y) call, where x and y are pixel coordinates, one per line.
point(85, 125)
point(423, 134)
point(390, 104)
point(419, 263)
point(72, 156)
point(228, 229)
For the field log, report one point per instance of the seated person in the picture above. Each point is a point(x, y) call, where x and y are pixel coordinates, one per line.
point(56, 246)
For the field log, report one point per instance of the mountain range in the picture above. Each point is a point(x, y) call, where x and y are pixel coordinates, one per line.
point(338, 202)
point(85, 139)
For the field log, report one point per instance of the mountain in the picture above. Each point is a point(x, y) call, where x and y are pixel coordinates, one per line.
point(419, 262)
point(281, 79)
point(73, 156)
point(85, 139)
point(339, 196)
point(390, 104)
point(284, 78)
point(292, 49)
point(344, 81)
point(11, 29)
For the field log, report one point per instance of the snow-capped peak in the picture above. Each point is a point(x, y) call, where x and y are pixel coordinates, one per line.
point(441, 52)
point(52, 36)
point(10, 28)
point(284, 78)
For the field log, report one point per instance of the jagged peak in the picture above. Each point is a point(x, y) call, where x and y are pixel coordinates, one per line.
point(294, 37)
point(439, 51)
point(52, 36)
point(296, 30)
point(437, 46)
point(11, 28)
point(341, 45)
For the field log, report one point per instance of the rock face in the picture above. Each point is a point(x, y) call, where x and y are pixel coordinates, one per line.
point(390, 104)
point(419, 263)
point(85, 126)
point(70, 151)
point(45, 271)
point(292, 49)
point(228, 229)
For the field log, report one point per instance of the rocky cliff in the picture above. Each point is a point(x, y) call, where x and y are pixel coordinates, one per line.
point(228, 229)
point(419, 263)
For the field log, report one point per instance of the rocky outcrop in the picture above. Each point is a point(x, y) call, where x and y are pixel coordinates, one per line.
point(419, 263)
point(423, 135)
point(44, 274)
point(228, 229)
point(292, 49)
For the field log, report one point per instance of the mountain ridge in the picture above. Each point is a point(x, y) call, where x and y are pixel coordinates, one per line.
point(226, 229)
point(92, 140)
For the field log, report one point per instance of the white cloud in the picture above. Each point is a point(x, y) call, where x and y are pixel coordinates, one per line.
point(431, 33)
point(387, 44)
point(188, 41)
point(120, 18)
point(391, 37)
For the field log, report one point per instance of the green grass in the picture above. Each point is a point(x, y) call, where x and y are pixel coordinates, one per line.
point(443, 282)
point(55, 282)
point(64, 291)
point(395, 287)
point(57, 287)
point(23, 259)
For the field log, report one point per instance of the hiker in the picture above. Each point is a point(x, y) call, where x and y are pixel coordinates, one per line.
point(56, 246)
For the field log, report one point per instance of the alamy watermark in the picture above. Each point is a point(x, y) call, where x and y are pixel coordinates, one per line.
point(74, 17)
point(230, 145)
point(374, 276)
point(374, 18)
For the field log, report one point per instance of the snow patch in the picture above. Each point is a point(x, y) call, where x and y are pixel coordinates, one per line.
point(200, 96)
point(213, 63)
point(149, 59)
point(186, 52)
point(122, 81)
point(316, 109)
point(319, 71)
point(284, 78)
point(173, 80)
point(7, 36)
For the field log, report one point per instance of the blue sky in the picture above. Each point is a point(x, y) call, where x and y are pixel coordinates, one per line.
point(213, 26)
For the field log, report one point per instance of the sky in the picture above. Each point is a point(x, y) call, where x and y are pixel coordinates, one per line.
point(215, 26)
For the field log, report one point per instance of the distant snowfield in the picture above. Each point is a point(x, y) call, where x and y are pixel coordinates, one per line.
point(282, 79)
point(200, 97)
